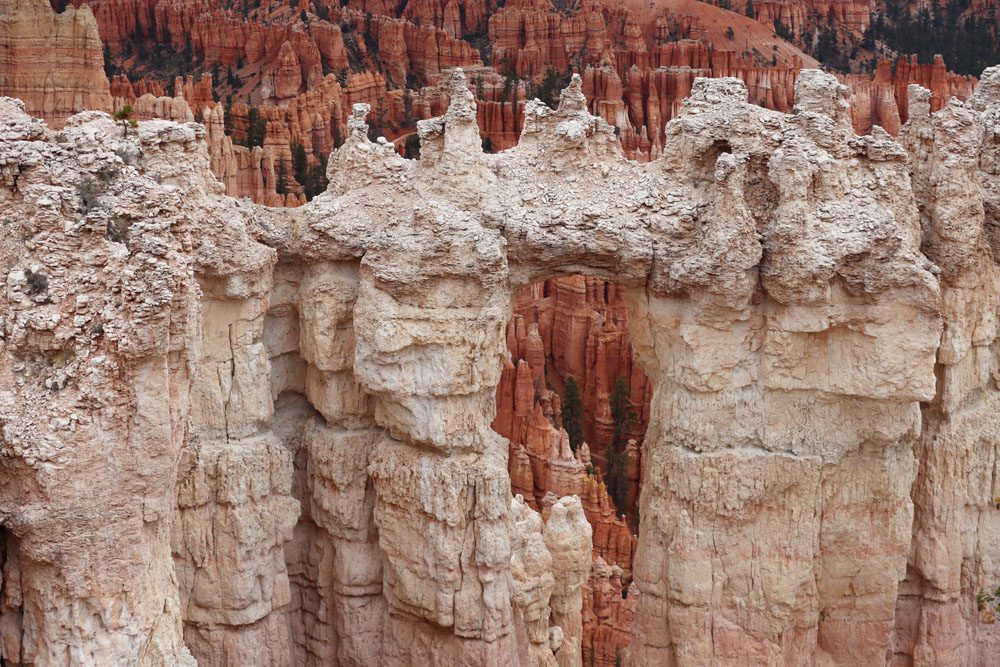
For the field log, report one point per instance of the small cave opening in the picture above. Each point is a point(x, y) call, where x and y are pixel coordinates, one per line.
point(574, 407)
point(704, 167)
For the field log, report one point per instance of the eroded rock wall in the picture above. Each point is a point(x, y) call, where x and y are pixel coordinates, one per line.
point(262, 436)
point(53, 62)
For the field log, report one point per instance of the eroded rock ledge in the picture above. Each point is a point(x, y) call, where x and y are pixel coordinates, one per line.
point(261, 436)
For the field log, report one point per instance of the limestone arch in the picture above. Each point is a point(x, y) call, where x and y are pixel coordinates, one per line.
point(793, 338)
point(719, 326)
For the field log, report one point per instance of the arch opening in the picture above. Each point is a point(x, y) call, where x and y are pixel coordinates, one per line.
point(574, 406)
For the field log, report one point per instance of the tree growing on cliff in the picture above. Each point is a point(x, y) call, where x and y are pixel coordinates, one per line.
point(256, 128)
point(282, 186)
point(315, 182)
point(110, 69)
point(300, 162)
point(572, 413)
point(124, 117)
point(617, 480)
point(623, 414)
point(623, 419)
point(411, 149)
point(552, 86)
point(510, 78)
point(783, 31)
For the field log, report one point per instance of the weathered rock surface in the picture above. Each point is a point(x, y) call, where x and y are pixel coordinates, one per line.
point(262, 436)
point(883, 99)
point(302, 68)
point(53, 62)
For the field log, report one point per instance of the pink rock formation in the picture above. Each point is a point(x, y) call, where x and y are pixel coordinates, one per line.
point(580, 328)
point(222, 421)
point(883, 99)
point(608, 614)
point(245, 172)
point(54, 62)
point(802, 17)
point(638, 65)
point(541, 464)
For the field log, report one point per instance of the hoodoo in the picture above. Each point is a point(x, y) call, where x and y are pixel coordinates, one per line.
point(241, 435)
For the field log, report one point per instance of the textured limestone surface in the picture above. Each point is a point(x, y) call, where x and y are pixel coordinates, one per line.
point(248, 436)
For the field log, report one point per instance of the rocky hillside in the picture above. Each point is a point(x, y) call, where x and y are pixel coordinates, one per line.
point(687, 374)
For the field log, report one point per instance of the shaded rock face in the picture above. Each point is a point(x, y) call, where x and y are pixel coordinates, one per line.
point(244, 435)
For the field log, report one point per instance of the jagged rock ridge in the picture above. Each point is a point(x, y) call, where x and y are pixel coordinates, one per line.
point(298, 71)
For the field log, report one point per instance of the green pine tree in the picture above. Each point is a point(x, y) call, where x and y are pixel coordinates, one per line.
point(623, 418)
point(623, 414)
point(300, 162)
point(124, 118)
point(572, 413)
point(282, 186)
point(617, 480)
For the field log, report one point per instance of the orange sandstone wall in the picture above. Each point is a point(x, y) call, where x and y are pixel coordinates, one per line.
point(54, 62)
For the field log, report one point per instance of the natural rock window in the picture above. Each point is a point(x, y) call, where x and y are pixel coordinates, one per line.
point(574, 406)
point(261, 436)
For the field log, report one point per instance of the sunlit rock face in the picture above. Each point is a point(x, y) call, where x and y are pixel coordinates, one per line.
point(54, 62)
point(243, 435)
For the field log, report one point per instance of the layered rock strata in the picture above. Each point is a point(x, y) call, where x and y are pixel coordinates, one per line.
point(54, 62)
point(259, 436)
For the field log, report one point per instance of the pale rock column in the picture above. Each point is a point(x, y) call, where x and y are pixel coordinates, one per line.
point(956, 526)
point(338, 497)
point(531, 574)
point(429, 321)
point(778, 460)
point(99, 339)
point(235, 510)
point(568, 536)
